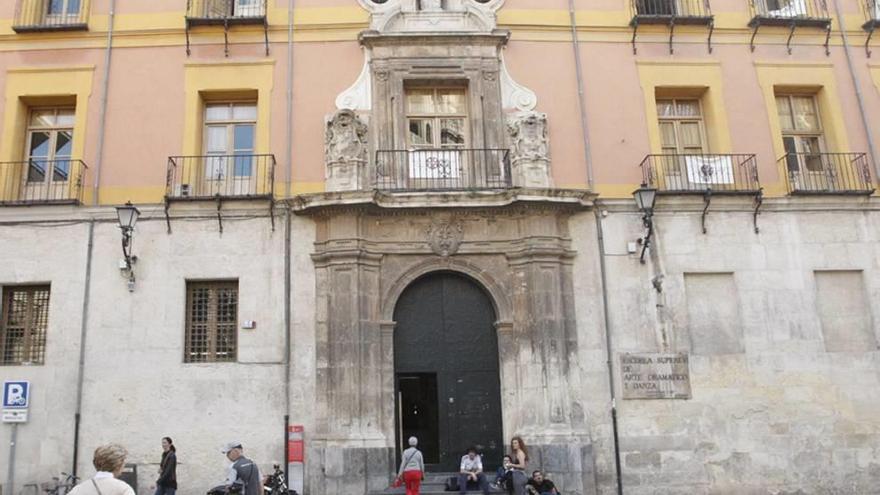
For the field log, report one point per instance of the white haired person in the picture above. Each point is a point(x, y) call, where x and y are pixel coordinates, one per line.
point(109, 460)
point(412, 468)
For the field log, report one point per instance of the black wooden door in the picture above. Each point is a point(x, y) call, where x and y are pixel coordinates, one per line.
point(445, 331)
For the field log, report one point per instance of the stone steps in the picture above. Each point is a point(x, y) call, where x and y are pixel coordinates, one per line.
point(435, 484)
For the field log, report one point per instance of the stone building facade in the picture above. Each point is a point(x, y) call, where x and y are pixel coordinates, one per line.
point(375, 219)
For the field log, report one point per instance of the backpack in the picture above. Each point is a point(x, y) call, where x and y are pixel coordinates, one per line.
point(451, 484)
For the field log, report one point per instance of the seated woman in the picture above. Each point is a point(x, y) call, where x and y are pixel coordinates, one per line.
point(520, 456)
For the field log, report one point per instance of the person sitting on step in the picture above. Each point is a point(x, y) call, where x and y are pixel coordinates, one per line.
point(539, 485)
point(471, 471)
point(502, 475)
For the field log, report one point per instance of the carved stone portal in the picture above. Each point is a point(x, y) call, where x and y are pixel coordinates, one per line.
point(529, 150)
point(345, 150)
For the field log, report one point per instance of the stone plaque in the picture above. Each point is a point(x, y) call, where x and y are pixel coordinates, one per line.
point(655, 376)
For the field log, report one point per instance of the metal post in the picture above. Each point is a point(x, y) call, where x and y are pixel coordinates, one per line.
point(11, 476)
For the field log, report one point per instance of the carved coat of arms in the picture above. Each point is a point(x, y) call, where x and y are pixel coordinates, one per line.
point(445, 237)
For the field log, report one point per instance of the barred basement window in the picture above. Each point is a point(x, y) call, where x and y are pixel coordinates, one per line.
point(23, 322)
point(211, 322)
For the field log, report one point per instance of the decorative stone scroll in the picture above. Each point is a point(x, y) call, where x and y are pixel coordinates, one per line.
point(529, 150)
point(345, 150)
point(402, 16)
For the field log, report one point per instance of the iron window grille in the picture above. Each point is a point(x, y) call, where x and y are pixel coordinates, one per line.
point(23, 323)
point(211, 322)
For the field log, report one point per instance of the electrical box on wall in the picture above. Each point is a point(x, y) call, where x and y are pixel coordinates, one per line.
point(249, 325)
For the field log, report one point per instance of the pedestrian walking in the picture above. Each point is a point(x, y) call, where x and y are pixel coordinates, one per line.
point(243, 472)
point(109, 461)
point(412, 467)
point(167, 482)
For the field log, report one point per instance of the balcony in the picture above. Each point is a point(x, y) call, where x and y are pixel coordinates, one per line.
point(791, 14)
point(872, 14)
point(697, 174)
point(226, 13)
point(671, 13)
point(50, 15)
point(194, 178)
point(36, 182)
point(443, 169)
point(828, 173)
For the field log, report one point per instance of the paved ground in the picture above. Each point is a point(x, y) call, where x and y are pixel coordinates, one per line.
point(434, 484)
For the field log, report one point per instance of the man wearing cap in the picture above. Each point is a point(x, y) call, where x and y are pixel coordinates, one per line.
point(243, 470)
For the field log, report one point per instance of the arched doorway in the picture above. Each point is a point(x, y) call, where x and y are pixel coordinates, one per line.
point(446, 370)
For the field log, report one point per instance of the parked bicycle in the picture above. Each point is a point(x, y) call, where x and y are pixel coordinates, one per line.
point(58, 487)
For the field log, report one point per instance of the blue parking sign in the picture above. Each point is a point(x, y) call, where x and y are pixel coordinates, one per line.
point(16, 395)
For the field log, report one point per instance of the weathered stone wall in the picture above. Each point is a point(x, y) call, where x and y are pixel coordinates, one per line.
point(136, 386)
point(784, 397)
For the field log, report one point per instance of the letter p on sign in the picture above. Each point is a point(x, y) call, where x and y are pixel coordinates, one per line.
point(16, 395)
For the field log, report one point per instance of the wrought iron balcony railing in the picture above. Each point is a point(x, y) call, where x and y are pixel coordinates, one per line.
point(50, 15)
point(663, 10)
point(220, 176)
point(698, 173)
point(828, 173)
point(443, 169)
point(226, 13)
point(42, 182)
point(784, 12)
point(872, 14)
point(671, 13)
point(221, 11)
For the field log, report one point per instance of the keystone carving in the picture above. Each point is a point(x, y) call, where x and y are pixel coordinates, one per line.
point(529, 150)
point(445, 237)
point(345, 150)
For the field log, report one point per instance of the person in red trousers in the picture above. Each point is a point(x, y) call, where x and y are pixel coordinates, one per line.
point(412, 468)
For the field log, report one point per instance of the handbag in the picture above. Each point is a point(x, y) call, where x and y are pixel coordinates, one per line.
point(398, 481)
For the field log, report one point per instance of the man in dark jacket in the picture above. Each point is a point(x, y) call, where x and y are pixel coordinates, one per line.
point(243, 471)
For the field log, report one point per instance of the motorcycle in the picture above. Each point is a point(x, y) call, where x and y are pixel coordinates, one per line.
point(273, 484)
point(276, 483)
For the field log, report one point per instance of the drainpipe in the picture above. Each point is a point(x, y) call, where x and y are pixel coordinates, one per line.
point(288, 293)
point(872, 150)
point(582, 101)
point(608, 349)
point(82, 345)
point(99, 158)
point(288, 158)
point(288, 285)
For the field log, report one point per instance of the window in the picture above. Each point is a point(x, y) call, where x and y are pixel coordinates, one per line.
point(681, 126)
point(436, 118)
point(801, 133)
point(49, 146)
point(229, 140)
point(656, 7)
point(211, 322)
point(23, 322)
point(247, 8)
point(60, 10)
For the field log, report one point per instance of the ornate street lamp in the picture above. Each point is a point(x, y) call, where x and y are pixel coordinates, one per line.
point(645, 197)
point(128, 216)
